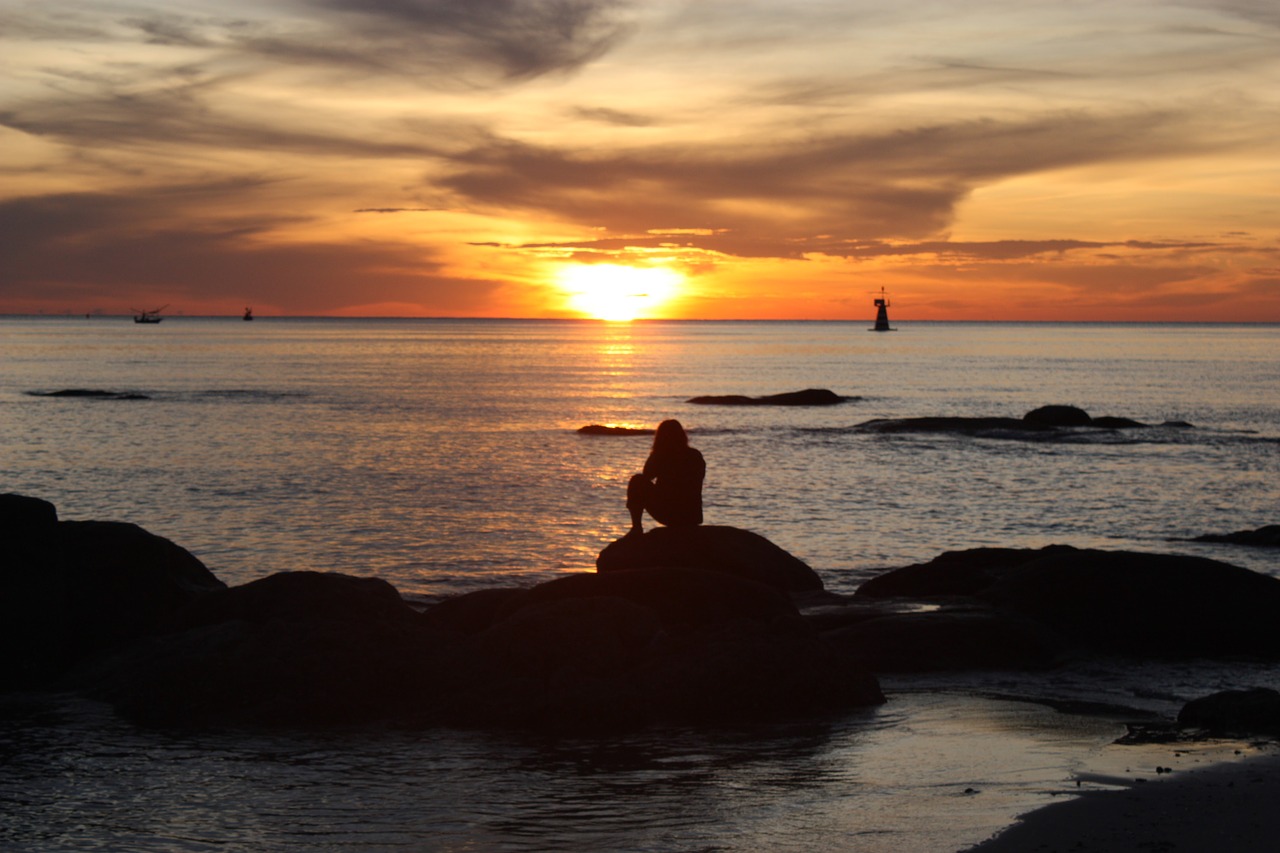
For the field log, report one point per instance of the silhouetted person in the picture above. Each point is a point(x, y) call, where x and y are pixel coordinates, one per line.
point(670, 488)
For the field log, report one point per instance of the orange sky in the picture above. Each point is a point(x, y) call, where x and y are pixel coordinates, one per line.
point(784, 159)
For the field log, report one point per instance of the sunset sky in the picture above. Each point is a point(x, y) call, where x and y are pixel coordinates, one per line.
point(992, 159)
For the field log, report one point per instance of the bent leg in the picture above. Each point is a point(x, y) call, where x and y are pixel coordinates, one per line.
point(639, 488)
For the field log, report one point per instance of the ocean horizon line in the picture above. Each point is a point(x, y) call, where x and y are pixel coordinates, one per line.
point(71, 315)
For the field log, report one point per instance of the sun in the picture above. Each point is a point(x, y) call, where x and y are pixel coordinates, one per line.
point(616, 292)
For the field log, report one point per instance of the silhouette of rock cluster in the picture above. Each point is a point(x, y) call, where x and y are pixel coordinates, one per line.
point(1046, 419)
point(1267, 536)
point(119, 614)
point(697, 625)
point(1059, 600)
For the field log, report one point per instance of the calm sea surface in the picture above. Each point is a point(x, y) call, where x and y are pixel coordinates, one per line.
point(442, 455)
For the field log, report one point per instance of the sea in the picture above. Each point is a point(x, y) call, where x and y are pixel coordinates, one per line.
point(443, 455)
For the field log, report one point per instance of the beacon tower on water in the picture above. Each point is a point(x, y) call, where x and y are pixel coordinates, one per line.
point(882, 313)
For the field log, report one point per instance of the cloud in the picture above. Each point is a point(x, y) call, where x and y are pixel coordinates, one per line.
point(96, 248)
point(787, 199)
point(521, 39)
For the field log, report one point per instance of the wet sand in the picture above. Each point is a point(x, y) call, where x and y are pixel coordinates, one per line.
point(1226, 808)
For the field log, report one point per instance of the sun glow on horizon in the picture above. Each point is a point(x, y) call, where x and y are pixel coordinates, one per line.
point(617, 292)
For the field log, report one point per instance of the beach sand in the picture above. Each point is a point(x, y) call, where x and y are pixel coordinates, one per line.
point(1224, 808)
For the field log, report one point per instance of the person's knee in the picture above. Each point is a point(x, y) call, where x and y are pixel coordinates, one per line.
point(637, 490)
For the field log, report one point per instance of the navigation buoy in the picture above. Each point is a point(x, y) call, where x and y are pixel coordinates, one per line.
point(882, 314)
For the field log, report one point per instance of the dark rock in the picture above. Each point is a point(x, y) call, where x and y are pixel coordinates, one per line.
point(601, 429)
point(1044, 420)
point(949, 640)
point(470, 612)
point(1158, 605)
point(1108, 422)
point(680, 597)
point(75, 587)
point(1264, 537)
point(22, 517)
point(954, 424)
point(1239, 712)
point(1058, 416)
point(665, 645)
point(808, 397)
point(721, 549)
point(952, 573)
point(296, 649)
point(300, 596)
point(91, 394)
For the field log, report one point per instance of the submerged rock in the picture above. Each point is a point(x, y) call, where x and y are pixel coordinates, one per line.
point(807, 397)
point(91, 394)
point(602, 429)
point(1044, 420)
point(729, 550)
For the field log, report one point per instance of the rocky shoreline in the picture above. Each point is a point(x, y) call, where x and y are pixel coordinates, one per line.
point(703, 626)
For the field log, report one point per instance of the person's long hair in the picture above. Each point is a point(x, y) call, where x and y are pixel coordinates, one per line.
point(669, 438)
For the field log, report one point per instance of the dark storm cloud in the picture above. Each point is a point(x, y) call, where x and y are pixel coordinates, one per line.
point(830, 195)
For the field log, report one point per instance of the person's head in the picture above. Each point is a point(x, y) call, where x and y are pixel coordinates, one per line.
point(669, 436)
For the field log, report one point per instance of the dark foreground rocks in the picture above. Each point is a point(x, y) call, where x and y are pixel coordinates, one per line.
point(807, 397)
point(1017, 606)
point(115, 613)
point(70, 588)
point(696, 626)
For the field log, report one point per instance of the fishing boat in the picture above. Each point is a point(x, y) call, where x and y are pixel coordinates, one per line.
point(248, 314)
point(152, 316)
point(882, 313)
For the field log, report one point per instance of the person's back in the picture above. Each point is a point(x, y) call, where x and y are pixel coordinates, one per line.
point(677, 486)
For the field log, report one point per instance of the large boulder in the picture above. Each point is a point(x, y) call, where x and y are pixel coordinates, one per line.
point(70, 588)
point(1236, 712)
point(679, 596)
point(598, 651)
point(1160, 605)
point(292, 649)
point(728, 550)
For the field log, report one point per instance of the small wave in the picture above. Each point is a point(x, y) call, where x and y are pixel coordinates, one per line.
point(248, 394)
